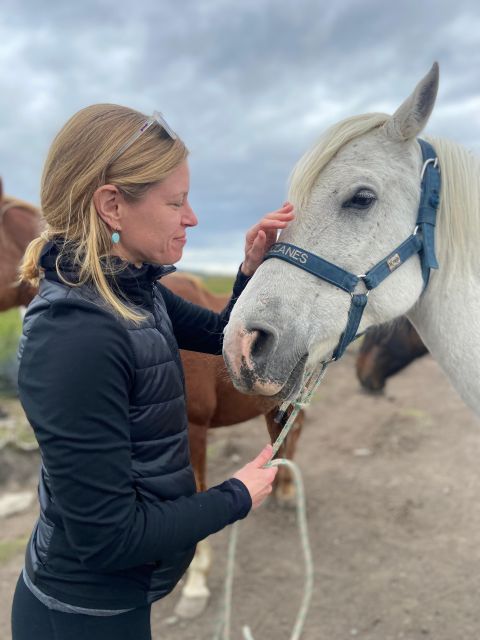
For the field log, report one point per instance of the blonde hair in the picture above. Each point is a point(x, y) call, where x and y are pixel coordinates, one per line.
point(78, 162)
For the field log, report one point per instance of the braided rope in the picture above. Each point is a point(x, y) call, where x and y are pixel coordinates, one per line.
point(311, 383)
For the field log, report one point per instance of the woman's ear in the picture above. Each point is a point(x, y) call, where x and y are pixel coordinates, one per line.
point(106, 200)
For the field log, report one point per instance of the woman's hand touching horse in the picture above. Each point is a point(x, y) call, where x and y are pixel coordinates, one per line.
point(260, 237)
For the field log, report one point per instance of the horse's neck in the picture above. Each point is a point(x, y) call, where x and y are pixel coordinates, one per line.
point(447, 318)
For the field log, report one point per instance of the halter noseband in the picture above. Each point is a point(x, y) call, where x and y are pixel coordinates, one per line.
point(422, 241)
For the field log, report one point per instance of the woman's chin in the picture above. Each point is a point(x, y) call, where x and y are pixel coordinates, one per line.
point(169, 257)
point(175, 254)
point(175, 258)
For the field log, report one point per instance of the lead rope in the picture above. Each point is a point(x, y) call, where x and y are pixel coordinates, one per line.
point(310, 385)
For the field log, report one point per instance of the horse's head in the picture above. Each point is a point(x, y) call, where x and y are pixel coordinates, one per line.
point(386, 350)
point(356, 196)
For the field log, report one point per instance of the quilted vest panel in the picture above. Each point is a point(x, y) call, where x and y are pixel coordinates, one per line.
point(159, 440)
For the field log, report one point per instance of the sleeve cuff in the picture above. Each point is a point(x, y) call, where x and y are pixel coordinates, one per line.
point(240, 497)
point(240, 283)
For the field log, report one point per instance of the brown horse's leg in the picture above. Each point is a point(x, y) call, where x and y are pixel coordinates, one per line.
point(284, 488)
point(197, 437)
point(195, 593)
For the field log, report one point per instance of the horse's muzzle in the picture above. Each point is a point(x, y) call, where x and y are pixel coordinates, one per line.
point(253, 359)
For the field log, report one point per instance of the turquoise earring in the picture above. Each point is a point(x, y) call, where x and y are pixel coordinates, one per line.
point(116, 237)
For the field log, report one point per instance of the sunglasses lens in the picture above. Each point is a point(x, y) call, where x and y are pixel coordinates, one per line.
point(163, 123)
point(157, 117)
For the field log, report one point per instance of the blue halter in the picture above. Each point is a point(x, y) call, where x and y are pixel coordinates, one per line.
point(422, 241)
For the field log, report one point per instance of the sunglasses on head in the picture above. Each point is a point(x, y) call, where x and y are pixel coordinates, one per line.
point(155, 118)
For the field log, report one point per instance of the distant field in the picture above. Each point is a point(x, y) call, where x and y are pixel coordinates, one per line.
point(218, 284)
point(10, 328)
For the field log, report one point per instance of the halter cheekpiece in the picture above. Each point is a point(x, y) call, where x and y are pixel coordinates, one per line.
point(421, 242)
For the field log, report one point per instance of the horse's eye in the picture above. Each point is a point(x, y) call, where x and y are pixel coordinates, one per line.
point(363, 199)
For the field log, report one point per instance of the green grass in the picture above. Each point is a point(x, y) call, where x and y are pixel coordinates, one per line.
point(217, 283)
point(10, 329)
point(11, 548)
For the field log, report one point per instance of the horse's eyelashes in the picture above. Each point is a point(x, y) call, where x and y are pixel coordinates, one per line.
point(363, 199)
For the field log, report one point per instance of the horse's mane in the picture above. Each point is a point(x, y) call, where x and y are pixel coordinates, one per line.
point(458, 234)
point(9, 202)
point(459, 213)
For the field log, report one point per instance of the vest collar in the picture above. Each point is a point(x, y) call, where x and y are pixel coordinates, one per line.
point(135, 284)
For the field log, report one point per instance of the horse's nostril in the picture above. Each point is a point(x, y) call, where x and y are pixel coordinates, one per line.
point(262, 345)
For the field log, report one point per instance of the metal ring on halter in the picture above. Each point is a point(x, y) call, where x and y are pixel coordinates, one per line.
point(367, 293)
point(361, 277)
point(433, 161)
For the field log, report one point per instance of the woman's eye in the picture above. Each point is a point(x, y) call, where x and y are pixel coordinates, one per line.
point(363, 199)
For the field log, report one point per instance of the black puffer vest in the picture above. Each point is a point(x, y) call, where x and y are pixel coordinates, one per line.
point(160, 453)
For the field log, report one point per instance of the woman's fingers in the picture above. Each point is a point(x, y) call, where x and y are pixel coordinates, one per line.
point(263, 457)
point(262, 235)
point(256, 478)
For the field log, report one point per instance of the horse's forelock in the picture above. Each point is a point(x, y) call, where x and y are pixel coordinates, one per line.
point(306, 170)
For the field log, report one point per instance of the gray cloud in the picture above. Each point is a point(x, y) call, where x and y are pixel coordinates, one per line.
point(249, 86)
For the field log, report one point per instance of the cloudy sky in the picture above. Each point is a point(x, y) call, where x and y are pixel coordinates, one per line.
point(249, 86)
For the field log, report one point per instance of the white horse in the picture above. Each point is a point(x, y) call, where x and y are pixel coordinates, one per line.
point(356, 197)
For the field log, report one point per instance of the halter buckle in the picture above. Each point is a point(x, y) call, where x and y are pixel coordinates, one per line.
point(433, 161)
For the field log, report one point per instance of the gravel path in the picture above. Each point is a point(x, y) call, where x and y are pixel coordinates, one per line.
point(392, 487)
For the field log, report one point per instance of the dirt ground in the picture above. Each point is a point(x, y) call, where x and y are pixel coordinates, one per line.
point(394, 517)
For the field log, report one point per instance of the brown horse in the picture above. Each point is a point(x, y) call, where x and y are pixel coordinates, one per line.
point(20, 222)
point(212, 401)
point(386, 350)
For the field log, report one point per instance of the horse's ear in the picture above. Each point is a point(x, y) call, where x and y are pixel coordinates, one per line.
point(1, 190)
point(411, 116)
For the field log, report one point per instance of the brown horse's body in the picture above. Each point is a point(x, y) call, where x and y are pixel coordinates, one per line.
point(212, 400)
point(19, 225)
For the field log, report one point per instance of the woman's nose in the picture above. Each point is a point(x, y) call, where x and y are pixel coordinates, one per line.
point(190, 219)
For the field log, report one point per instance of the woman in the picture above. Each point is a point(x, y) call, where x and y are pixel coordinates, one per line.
point(101, 382)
